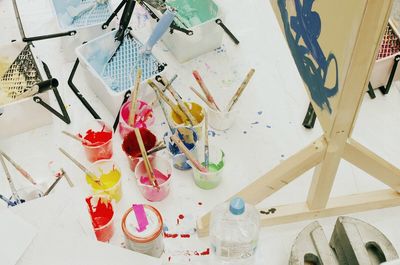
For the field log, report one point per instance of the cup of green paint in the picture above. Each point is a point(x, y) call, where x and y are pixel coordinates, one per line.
point(213, 177)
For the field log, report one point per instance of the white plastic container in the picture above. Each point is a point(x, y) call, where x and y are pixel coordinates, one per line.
point(234, 230)
point(110, 81)
point(207, 34)
point(221, 120)
point(88, 24)
point(25, 114)
point(150, 241)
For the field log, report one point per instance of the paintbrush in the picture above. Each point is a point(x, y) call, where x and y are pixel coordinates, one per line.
point(178, 99)
point(134, 95)
point(19, 168)
point(240, 89)
point(187, 153)
point(159, 146)
point(52, 186)
point(203, 87)
point(10, 181)
point(206, 148)
point(167, 118)
point(90, 174)
point(174, 107)
point(147, 164)
point(203, 98)
point(75, 137)
point(70, 183)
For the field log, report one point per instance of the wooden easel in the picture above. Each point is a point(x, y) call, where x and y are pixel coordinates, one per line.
point(325, 153)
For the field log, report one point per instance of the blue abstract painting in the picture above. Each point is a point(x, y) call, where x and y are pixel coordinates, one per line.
point(302, 31)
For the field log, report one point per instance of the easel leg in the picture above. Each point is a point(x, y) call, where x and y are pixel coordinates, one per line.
point(363, 158)
point(277, 178)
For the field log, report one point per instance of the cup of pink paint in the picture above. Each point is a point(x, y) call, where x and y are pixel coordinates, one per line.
point(97, 141)
point(144, 117)
point(162, 171)
point(142, 226)
point(131, 147)
point(101, 213)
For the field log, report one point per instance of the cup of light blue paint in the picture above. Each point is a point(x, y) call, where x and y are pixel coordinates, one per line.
point(190, 140)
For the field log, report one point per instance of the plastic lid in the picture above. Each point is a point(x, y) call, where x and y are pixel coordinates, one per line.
point(237, 206)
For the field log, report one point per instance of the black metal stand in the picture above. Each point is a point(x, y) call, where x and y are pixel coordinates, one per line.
point(64, 114)
point(79, 94)
point(227, 31)
point(309, 119)
point(126, 97)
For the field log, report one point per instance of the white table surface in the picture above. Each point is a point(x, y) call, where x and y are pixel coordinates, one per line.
point(267, 131)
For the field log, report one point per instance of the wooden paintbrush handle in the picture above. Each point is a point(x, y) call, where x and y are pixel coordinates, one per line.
point(134, 93)
point(205, 90)
point(82, 167)
point(23, 172)
point(187, 153)
point(240, 89)
point(211, 106)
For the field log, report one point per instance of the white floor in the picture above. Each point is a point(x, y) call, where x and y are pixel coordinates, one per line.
point(267, 131)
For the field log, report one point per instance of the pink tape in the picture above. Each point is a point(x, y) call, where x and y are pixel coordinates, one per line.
point(140, 217)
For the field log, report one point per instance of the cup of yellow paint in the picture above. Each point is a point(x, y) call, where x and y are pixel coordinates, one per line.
point(213, 177)
point(221, 120)
point(109, 176)
point(162, 170)
point(198, 113)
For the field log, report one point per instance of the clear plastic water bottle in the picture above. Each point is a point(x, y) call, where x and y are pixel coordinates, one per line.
point(234, 230)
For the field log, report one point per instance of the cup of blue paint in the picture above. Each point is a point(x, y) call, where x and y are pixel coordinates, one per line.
point(221, 120)
point(190, 139)
point(211, 179)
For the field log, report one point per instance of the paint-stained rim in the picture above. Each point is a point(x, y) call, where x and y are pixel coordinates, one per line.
point(142, 239)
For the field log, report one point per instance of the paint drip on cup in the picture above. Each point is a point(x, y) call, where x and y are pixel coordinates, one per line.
point(97, 144)
point(144, 117)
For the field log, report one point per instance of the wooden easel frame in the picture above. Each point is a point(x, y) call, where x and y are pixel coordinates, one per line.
point(325, 153)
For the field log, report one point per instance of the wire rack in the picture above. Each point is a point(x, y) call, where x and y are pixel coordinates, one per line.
point(390, 44)
point(22, 74)
point(120, 71)
point(97, 15)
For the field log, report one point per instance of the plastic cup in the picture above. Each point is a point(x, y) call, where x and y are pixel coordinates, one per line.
point(98, 150)
point(101, 212)
point(221, 120)
point(197, 111)
point(144, 117)
point(189, 139)
point(213, 177)
point(131, 147)
point(109, 177)
point(148, 191)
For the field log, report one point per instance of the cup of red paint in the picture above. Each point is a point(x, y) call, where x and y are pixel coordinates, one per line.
point(144, 117)
point(97, 142)
point(142, 226)
point(101, 212)
point(162, 170)
point(131, 147)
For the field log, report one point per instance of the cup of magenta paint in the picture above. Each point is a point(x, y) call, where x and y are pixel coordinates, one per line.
point(144, 117)
point(108, 179)
point(131, 147)
point(97, 141)
point(142, 226)
point(198, 113)
point(213, 177)
point(101, 212)
point(189, 139)
point(221, 120)
point(162, 171)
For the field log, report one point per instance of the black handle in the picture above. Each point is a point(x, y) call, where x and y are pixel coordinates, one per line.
point(113, 15)
point(309, 119)
point(49, 36)
point(125, 19)
point(46, 85)
point(227, 31)
point(126, 97)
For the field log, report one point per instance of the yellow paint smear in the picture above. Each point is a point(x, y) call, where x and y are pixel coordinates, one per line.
point(109, 184)
point(195, 109)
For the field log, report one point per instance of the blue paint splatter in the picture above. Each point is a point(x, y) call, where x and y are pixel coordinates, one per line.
point(163, 123)
point(165, 228)
point(269, 126)
point(244, 132)
point(254, 123)
point(211, 133)
point(260, 112)
point(307, 27)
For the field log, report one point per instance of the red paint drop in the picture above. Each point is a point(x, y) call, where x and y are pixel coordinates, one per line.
point(205, 252)
point(181, 216)
point(185, 235)
point(169, 259)
point(166, 235)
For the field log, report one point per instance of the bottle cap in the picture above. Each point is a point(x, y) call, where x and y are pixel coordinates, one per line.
point(237, 206)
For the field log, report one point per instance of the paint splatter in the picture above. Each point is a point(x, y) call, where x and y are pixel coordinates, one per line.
point(200, 203)
point(254, 123)
point(269, 126)
point(181, 216)
point(244, 132)
point(260, 112)
point(211, 133)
